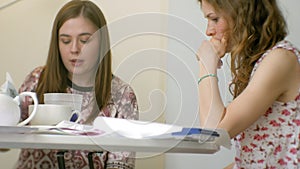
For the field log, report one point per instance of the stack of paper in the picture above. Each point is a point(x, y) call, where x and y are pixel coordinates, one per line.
point(69, 128)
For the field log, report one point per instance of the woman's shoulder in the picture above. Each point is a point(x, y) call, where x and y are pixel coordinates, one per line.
point(118, 82)
point(285, 52)
point(37, 71)
point(31, 79)
point(282, 47)
point(119, 85)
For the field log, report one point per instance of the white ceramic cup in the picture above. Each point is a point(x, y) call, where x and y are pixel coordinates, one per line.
point(71, 99)
point(51, 114)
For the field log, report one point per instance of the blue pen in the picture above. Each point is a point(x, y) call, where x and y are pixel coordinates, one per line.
point(74, 117)
point(194, 131)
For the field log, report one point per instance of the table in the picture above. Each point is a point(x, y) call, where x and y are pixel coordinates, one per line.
point(103, 143)
point(71, 142)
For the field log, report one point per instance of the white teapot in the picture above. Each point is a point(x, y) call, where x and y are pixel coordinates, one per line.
point(10, 112)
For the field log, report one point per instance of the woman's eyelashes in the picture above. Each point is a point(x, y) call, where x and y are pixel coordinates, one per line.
point(65, 41)
point(82, 40)
point(214, 19)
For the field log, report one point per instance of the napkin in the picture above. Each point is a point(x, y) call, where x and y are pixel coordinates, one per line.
point(8, 87)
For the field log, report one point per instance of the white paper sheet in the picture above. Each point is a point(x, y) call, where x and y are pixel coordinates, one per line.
point(136, 129)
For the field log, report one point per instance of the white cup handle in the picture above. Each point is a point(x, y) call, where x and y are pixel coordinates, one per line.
point(32, 114)
point(75, 117)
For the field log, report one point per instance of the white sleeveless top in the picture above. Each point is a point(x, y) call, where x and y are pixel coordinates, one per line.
point(273, 140)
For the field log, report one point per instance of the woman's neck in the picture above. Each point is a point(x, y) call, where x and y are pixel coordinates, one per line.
point(83, 81)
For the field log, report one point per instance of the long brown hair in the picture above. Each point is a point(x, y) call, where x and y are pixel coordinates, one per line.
point(55, 76)
point(257, 26)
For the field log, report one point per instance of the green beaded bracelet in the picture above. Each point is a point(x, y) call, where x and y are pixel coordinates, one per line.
point(205, 76)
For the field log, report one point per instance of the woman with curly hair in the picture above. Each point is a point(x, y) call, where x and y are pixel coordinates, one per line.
point(264, 115)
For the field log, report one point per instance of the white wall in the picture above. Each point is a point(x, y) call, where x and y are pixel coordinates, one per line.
point(291, 12)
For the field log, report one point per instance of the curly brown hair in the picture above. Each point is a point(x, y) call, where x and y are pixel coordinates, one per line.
point(257, 26)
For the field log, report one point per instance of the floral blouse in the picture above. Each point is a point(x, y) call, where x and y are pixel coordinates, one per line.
point(123, 104)
point(273, 141)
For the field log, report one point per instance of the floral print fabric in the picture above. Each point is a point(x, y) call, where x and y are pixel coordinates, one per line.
point(272, 142)
point(123, 104)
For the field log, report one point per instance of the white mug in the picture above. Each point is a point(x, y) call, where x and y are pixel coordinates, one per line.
point(72, 99)
point(52, 114)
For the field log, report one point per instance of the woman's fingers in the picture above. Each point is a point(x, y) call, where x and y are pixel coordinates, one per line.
point(220, 45)
point(207, 56)
point(220, 49)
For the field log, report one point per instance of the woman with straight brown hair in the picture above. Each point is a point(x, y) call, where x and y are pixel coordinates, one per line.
point(79, 61)
point(264, 115)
